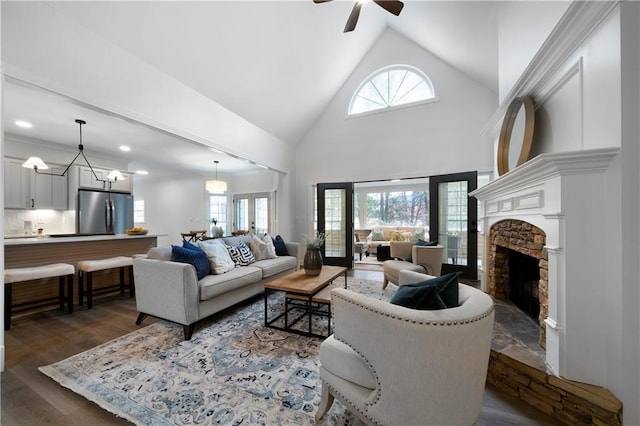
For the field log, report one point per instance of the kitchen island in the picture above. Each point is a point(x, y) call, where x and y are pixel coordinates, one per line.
point(42, 250)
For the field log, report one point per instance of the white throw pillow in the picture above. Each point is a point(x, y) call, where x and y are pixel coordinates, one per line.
point(262, 248)
point(218, 256)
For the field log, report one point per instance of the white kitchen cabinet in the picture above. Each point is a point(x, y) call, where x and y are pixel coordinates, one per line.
point(88, 181)
point(16, 185)
point(25, 189)
point(47, 191)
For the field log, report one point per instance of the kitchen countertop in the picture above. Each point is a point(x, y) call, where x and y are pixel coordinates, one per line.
point(12, 241)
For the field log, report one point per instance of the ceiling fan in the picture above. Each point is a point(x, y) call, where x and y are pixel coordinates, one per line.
point(392, 6)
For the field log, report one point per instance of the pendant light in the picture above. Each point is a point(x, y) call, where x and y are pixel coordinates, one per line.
point(37, 164)
point(216, 186)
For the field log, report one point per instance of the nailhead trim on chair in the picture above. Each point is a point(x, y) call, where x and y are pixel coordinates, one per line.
point(440, 323)
point(378, 384)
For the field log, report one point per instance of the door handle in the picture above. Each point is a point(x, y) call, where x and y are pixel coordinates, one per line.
point(32, 203)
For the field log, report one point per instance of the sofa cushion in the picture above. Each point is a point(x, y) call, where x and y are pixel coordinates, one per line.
point(218, 256)
point(271, 267)
point(214, 285)
point(280, 245)
point(344, 362)
point(197, 258)
point(262, 248)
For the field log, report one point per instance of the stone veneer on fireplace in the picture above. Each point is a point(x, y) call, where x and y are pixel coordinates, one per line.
point(562, 195)
point(524, 238)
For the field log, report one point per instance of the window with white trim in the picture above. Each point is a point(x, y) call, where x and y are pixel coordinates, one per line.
point(391, 87)
point(138, 212)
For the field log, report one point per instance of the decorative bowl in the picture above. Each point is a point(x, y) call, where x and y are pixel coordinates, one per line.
point(143, 232)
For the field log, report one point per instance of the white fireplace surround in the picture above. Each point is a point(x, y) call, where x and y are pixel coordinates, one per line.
point(563, 194)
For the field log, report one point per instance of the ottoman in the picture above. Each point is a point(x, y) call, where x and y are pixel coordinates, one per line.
point(392, 270)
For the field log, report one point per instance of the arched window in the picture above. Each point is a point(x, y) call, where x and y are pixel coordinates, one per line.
point(390, 87)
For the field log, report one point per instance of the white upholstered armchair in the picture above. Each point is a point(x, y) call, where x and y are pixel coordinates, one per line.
point(393, 365)
point(424, 259)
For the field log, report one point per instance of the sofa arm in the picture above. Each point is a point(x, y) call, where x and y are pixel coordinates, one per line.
point(294, 250)
point(430, 257)
point(167, 290)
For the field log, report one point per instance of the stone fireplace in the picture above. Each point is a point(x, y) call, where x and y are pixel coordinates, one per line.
point(518, 268)
point(551, 209)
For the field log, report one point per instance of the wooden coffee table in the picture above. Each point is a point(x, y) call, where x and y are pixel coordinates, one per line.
point(300, 287)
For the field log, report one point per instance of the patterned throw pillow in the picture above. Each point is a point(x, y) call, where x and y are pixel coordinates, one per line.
point(241, 255)
point(377, 235)
point(218, 255)
point(262, 248)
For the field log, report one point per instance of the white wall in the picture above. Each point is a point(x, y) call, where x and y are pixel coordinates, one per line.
point(428, 139)
point(179, 203)
point(523, 27)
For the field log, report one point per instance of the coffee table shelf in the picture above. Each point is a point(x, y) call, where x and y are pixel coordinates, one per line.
point(299, 287)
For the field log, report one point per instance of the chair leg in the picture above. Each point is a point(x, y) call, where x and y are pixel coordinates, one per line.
point(80, 288)
point(89, 290)
point(132, 285)
point(385, 282)
point(326, 401)
point(70, 293)
point(121, 272)
point(61, 280)
point(7, 306)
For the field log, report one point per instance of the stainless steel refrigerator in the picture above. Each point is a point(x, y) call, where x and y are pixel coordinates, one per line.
point(103, 212)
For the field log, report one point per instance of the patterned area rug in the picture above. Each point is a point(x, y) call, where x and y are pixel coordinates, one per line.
point(232, 371)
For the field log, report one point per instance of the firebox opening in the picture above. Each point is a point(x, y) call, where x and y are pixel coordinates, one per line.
point(524, 276)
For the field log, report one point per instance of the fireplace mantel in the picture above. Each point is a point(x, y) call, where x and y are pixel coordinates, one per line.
point(562, 194)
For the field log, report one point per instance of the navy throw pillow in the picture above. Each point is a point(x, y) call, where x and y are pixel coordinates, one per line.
point(423, 298)
point(424, 244)
point(446, 286)
point(197, 258)
point(281, 248)
point(186, 244)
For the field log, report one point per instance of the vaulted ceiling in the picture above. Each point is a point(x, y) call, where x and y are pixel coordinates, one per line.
point(277, 64)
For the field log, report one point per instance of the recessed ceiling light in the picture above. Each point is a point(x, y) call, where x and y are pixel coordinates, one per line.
point(142, 172)
point(25, 124)
point(124, 148)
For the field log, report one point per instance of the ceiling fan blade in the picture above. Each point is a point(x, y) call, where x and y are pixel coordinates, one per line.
point(353, 18)
point(320, 1)
point(393, 6)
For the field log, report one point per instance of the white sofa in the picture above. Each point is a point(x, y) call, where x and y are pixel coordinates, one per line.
point(395, 233)
point(171, 290)
point(392, 365)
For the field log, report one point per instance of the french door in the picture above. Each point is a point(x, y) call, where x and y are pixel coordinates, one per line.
point(252, 213)
point(335, 220)
point(453, 221)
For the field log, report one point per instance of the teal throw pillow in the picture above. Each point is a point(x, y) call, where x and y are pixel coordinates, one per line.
point(197, 258)
point(424, 244)
point(423, 298)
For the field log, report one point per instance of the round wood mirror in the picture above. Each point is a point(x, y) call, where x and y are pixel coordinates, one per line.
point(516, 134)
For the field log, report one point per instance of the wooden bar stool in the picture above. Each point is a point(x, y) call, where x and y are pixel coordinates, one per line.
point(88, 267)
point(15, 275)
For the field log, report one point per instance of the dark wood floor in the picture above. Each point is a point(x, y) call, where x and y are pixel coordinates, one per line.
point(31, 398)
